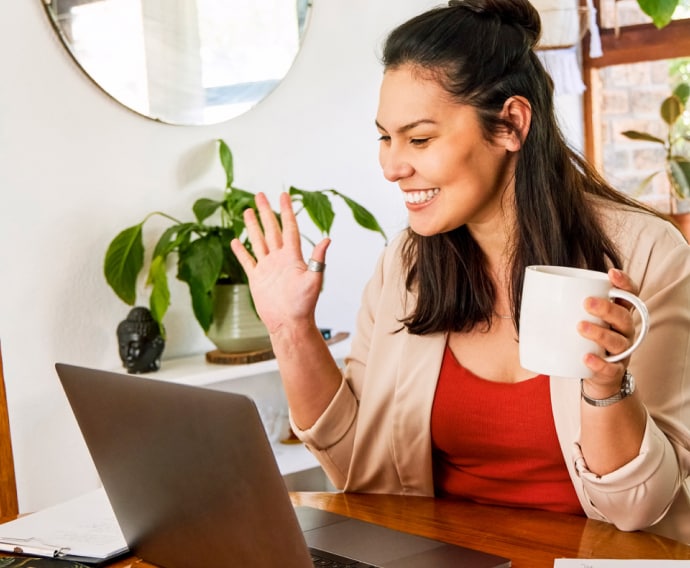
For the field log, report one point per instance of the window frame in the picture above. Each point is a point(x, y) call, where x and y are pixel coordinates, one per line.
point(632, 44)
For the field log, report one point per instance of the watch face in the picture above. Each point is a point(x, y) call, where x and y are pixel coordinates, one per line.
point(628, 385)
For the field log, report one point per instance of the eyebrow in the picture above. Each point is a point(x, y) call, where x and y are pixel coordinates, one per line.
point(408, 126)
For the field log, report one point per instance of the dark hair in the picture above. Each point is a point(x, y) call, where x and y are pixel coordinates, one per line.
point(482, 53)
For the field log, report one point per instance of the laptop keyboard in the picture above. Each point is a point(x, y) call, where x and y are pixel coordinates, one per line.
point(324, 559)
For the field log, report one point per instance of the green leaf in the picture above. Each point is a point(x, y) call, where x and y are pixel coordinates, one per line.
point(680, 175)
point(363, 216)
point(231, 267)
point(227, 162)
point(201, 261)
point(661, 11)
point(237, 227)
point(237, 200)
point(318, 207)
point(682, 91)
point(123, 262)
point(200, 267)
point(644, 183)
point(671, 109)
point(160, 292)
point(202, 306)
point(173, 238)
point(203, 208)
point(636, 135)
point(235, 203)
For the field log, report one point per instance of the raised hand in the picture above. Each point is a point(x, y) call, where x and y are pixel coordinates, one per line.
point(284, 289)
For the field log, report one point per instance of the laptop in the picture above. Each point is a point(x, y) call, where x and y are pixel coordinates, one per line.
point(193, 483)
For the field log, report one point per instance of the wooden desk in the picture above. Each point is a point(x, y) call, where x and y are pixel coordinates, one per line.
point(531, 539)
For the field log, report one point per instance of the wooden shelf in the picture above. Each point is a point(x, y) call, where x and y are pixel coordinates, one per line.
point(195, 370)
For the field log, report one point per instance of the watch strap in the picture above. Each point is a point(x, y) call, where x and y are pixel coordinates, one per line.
point(627, 388)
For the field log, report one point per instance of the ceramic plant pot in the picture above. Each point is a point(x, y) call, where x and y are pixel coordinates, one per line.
point(236, 328)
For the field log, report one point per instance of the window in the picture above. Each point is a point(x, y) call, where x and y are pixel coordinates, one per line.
point(626, 86)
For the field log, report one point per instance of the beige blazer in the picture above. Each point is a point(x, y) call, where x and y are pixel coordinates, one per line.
point(375, 435)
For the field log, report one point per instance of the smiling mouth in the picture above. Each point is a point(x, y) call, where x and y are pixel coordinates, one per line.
point(417, 197)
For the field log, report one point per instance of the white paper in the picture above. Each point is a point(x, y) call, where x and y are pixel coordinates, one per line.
point(596, 563)
point(84, 527)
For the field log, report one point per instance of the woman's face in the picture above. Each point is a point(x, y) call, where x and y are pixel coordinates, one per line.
point(434, 149)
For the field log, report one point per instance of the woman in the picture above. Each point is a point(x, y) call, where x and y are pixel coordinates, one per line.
point(433, 400)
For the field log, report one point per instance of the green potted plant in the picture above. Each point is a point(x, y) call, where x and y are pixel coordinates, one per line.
point(202, 247)
point(677, 150)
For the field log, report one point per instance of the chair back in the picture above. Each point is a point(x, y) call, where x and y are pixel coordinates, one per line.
point(9, 506)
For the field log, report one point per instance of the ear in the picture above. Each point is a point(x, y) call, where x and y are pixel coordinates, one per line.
point(518, 111)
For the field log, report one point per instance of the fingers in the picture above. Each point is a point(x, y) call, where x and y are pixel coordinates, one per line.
point(255, 234)
point(620, 279)
point(617, 332)
point(608, 374)
point(613, 340)
point(267, 235)
point(273, 237)
point(245, 259)
point(319, 252)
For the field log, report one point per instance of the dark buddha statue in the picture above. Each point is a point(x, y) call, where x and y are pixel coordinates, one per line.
point(140, 341)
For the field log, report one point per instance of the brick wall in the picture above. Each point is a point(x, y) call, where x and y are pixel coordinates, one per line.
point(632, 95)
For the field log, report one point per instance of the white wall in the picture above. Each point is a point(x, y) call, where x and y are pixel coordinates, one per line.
point(75, 168)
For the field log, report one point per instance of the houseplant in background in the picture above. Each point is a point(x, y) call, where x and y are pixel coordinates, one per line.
point(206, 263)
point(677, 154)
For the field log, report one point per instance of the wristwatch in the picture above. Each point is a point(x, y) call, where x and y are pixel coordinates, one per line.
point(627, 388)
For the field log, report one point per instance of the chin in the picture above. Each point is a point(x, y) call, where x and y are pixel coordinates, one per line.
point(424, 231)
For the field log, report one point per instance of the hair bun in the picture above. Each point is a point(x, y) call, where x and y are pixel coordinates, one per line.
point(518, 13)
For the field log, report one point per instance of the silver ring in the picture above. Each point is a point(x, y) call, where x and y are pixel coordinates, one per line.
point(315, 265)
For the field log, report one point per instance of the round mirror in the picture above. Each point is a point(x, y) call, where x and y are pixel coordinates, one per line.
point(188, 62)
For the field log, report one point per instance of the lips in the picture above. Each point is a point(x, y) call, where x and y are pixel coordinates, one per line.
point(418, 197)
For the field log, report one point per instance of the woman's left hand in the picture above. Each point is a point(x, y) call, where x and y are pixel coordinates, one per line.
point(614, 336)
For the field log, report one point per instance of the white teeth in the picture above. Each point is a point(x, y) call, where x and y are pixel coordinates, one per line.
point(420, 196)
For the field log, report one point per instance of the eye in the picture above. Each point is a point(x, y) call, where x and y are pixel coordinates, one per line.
point(384, 138)
point(419, 141)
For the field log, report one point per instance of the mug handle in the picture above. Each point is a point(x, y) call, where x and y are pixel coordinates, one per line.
point(644, 314)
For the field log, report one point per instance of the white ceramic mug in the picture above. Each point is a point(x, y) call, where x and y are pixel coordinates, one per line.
point(552, 306)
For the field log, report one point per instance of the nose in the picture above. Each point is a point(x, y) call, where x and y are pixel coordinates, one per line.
point(394, 165)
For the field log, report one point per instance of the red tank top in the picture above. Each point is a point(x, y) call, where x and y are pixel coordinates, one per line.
point(496, 443)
